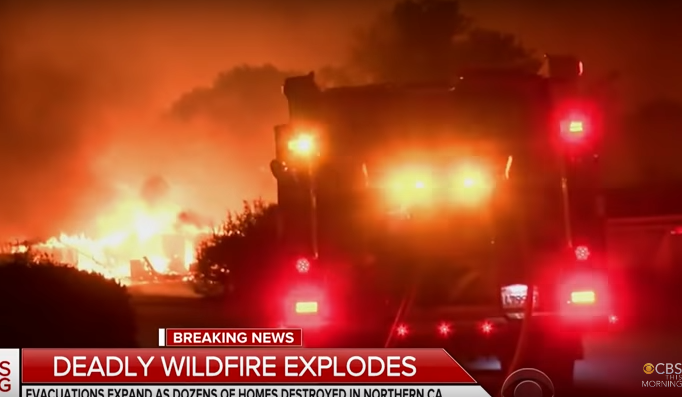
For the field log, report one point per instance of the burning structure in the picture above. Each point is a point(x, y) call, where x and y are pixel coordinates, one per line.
point(144, 238)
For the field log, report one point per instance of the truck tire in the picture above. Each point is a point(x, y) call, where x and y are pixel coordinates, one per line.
point(560, 371)
point(555, 355)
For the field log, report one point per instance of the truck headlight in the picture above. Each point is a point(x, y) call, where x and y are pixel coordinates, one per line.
point(303, 145)
point(472, 184)
point(410, 187)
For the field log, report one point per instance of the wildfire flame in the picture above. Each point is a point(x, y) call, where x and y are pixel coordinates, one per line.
point(159, 237)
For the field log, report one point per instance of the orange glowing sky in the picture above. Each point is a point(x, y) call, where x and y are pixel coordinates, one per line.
point(83, 87)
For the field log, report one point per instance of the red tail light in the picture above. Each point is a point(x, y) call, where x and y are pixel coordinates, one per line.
point(303, 265)
point(582, 253)
point(306, 306)
point(574, 127)
point(583, 297)
point(402, 330)
point(444, 329)
point(586, 294)
point(487, 327)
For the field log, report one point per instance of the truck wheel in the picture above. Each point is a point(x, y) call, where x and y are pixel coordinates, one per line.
point(556, 355)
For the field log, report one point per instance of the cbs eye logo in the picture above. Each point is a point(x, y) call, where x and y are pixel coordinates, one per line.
point(649, 369)
point(528, 382)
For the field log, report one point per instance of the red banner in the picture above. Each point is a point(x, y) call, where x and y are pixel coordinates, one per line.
point(184, 365)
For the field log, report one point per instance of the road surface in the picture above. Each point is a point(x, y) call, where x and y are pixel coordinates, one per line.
point(613, 362)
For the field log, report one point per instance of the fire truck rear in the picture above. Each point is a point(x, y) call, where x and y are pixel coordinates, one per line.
point(425, 215)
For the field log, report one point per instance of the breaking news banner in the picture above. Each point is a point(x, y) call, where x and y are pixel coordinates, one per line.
point(231, 337)
point(215, 372)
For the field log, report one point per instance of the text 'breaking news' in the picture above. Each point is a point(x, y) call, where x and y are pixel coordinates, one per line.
point(240, 337)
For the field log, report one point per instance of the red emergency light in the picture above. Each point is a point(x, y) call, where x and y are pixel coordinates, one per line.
point(574, 127)
point(577, 121)
point(402, 330)
point(303, 265)
point(582, 253)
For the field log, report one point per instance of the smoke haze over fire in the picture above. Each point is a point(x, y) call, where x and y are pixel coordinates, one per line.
point(95, 100)
point(98, 97)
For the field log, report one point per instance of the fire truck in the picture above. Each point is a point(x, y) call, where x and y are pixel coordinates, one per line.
point(425, 215)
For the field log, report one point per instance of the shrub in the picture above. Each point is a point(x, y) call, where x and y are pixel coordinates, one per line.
point(244, 241)
point(49, 305)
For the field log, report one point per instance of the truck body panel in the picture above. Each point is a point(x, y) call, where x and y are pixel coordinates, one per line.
point(444, 257)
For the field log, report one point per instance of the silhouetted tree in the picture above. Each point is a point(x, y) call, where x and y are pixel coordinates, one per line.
point(432, 40)
point(240, 249)
point(80, 309)
point(235, 95)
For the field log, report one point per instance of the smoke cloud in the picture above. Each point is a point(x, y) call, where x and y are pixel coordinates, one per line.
point(96, 100)
point(53, 123)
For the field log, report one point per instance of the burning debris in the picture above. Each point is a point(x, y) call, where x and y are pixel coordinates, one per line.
point(166, 254)
point(192, 219)
point(145, 236)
